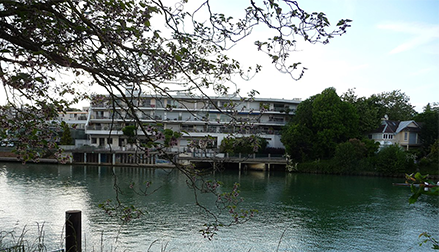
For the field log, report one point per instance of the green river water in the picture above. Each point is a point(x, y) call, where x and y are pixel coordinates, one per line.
point(296, 212)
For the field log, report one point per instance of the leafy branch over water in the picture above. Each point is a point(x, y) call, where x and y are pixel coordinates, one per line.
point(225, 213)
point(419, 185)
point(228, 202)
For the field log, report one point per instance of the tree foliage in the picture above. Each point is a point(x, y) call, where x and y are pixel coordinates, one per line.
point(429, 121)
point(393, 159)
point(245, 145)
point(147, 45)
point(395, 104)
point(321, 122)
point(367, 110)
point(130, 131)
point(48, 48)
point(66, 137)
point(349, 155)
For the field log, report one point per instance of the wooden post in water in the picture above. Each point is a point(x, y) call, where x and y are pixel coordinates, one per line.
point(73, 231)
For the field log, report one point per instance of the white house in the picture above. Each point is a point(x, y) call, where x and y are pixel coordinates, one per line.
point(402, 133)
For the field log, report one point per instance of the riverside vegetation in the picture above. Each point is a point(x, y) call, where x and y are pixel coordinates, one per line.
point(328, 134)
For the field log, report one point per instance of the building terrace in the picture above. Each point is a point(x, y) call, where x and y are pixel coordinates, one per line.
point(197, 117)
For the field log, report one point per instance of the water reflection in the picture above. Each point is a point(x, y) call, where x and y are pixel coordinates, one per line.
point(297, 212)
point(36, 196)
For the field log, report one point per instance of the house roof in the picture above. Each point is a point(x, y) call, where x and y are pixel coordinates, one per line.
point(402, 125)
point(395, 127)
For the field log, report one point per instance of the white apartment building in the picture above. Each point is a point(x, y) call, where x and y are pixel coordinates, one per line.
point(196, 118)
point(76, 118)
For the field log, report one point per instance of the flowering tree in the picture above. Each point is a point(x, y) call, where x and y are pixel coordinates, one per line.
point(49, 48)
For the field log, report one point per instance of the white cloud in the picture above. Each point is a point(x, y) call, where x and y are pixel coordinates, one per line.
point(421, 34)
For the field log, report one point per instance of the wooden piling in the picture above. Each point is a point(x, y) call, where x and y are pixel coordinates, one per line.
point(73, 231)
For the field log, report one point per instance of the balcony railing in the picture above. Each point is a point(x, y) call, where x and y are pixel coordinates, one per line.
point(95, 127)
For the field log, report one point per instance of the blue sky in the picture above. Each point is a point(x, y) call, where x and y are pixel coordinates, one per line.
point(392, 45)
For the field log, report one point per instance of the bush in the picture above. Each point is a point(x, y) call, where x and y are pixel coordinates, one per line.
point(245, 145)
point(318, 166)
point(393, 160)
point(348, 155)
point(66, 138)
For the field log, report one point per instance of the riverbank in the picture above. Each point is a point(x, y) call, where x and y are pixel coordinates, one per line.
point(10, 157)
point(366, 168)
point(322, 167)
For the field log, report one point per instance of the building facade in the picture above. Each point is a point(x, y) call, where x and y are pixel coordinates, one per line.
point(402, 133)
point(196, 118)
point(76, 119)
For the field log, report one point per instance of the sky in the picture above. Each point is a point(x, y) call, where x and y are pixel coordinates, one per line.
point(392, 45)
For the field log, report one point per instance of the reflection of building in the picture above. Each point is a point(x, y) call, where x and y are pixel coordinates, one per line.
point(195, 117)
point(404, 134)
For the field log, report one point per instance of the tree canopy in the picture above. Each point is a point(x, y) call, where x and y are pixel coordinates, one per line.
point(368, 111)
point(66, 138)
point(321, 122)
point(48, 48)
point(429, 121)
point(395, 104)
point(151, 46)
point(245, 145)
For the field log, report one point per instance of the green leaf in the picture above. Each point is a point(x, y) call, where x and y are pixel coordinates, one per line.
point(419, 177)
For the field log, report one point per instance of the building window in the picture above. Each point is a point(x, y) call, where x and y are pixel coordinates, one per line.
point(94, 140)
point(109, 140)
point(387, 136)
point(405, 136)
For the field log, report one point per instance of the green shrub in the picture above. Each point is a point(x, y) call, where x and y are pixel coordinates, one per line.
point(317, 166)
point(245, 145)
point(394, 160)
point(348, 155)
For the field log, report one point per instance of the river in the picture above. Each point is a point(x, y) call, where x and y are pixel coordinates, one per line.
point(296, 212)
